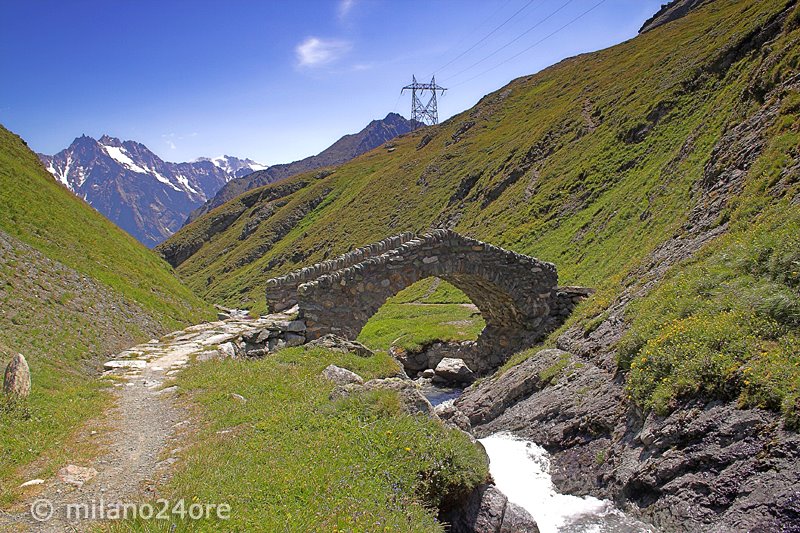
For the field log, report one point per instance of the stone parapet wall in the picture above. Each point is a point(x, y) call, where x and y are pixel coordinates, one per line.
point(281, 292)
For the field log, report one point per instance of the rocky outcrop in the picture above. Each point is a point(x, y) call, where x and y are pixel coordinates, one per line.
point(17, 378)
point(487, 510)
point(671, 11)
point(452, 416)
point(412, 400)
point(707, 467)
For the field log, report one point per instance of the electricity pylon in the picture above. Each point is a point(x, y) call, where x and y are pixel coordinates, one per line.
point(423, 113)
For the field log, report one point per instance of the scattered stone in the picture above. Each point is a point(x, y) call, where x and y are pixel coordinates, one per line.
point(339, 344)
point(428, 373)
point(129, 363)
point(169, 390)
point(238, 397)
point(454, 370)
point(227, 349)
point(76, 475)
point(31, 483)
point(341, 376)
point(17, 379)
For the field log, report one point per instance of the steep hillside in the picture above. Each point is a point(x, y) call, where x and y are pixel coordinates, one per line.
point(663, 172)
point(374, 134)
point(74, 288)
point(602, 152)
point(147, 197)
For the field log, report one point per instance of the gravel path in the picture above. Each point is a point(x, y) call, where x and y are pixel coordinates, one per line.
point(139, 433)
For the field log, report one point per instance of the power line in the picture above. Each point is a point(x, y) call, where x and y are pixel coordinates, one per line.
point(459, 56)
point(533, 45)
point(517, 38)
point(476, 28)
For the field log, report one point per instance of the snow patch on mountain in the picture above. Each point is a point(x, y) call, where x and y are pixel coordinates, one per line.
point(118, 154)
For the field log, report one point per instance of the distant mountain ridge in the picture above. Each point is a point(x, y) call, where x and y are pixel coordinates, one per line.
point(346, 148)
point(137, 190)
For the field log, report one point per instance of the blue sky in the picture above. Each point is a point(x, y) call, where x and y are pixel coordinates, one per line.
point(274, 80)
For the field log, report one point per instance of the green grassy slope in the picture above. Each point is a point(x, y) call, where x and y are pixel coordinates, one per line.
point(73, 289)
point(592, 164)
point(292, 459)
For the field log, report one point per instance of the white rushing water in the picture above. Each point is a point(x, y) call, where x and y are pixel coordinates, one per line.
point(521, 470)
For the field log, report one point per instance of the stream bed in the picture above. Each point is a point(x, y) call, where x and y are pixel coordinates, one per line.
point(520, 470)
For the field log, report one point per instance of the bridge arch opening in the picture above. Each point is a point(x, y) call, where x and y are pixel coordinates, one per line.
point(423, 323)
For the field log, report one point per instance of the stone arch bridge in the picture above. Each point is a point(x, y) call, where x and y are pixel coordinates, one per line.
point(517, 295)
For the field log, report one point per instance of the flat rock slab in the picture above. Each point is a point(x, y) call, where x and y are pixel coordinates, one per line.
point(128, 363)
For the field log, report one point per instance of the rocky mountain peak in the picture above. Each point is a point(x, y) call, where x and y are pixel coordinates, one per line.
point(132, 186)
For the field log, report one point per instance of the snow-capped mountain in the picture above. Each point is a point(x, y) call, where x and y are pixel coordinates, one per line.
point(144, 195)
point(234, 166)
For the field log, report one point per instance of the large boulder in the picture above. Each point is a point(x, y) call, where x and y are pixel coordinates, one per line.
point(341, 376)
point(342, 345)
point(17, 379)
point(454, 370)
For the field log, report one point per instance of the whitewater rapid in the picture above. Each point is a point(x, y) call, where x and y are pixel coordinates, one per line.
point(521, 469)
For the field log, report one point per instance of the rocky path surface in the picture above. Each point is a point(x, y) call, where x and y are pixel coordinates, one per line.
point(139, 433)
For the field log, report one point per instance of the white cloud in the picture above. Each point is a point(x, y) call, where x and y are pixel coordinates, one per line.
point(345, 6)
point(314, 51)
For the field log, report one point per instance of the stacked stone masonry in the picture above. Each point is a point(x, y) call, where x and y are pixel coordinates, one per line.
point(282, 291)
point(517, 295)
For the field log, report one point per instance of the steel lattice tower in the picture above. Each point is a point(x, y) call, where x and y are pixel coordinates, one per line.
point(423, 113)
